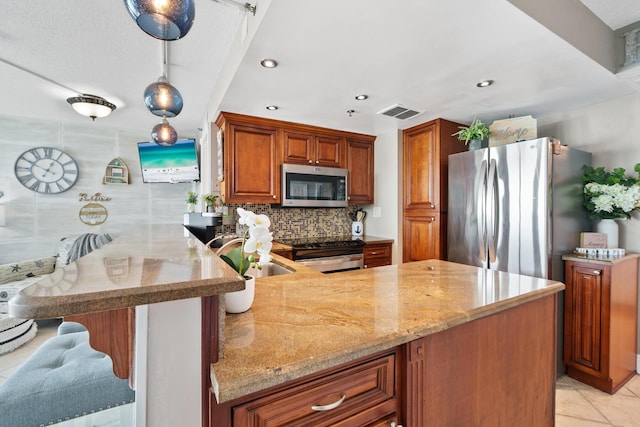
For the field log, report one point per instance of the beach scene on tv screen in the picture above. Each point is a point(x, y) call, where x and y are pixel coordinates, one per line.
point(177, 163)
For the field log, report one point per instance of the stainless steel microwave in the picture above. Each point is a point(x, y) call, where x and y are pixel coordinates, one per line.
point(313, 186)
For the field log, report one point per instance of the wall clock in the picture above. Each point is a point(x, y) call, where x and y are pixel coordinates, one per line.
point(46, 170)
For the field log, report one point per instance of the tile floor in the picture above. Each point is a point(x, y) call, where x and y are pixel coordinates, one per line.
point(577, 404)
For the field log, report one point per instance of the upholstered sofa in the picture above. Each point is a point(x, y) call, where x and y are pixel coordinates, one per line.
point(63, 379)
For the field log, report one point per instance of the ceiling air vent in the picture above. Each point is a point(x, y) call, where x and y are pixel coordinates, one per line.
point(399, 112)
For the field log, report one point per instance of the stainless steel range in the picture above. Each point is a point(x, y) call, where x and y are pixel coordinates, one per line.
point(329, 254)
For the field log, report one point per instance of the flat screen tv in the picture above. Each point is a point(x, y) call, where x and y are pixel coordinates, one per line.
point(172, 164)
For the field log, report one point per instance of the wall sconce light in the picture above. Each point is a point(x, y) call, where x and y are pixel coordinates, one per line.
point(164, 20)
point(164, 134)
point(91, 106)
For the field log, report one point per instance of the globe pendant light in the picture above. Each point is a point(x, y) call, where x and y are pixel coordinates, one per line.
point(163, 19)
point(164, 134)
point(163, 99)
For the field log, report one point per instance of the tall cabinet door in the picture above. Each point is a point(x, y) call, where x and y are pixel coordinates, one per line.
point(360, 166)
point(421, 169)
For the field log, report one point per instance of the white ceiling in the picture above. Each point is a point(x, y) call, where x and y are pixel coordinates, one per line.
point(425, 55)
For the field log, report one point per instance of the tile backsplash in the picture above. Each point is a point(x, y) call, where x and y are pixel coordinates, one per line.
point(298, 222)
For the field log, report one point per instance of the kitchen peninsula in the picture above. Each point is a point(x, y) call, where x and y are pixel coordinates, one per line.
point(424, 343)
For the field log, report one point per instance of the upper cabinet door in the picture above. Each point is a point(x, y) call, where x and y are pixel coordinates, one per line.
point(360, 165)
point(298, 147)
point(254, 176)
point(421, 169)
point(329, 151)
point(309, 149)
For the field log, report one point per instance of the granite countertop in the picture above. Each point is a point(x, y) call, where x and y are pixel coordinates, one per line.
point(304, 322)
point(594, 260)
point(147, 265)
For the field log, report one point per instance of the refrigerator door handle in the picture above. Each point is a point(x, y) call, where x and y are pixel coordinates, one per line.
point(492, 212)
point(482, 215)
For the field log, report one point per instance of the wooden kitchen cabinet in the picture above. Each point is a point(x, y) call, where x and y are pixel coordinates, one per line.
point(425, 152)
point(377, 254)
point(360, 393)
point(251, 160)
point(309, 149)
point(254, 148)
point(422, 237)
point(600, 320)
point(361, 173)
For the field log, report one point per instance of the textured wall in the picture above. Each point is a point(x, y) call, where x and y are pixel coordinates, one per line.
point(36, 222)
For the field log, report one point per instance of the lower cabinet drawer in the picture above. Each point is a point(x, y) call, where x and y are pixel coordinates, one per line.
point(357, 396)
point(377, 255)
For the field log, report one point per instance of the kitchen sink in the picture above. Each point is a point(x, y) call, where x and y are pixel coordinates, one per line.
point(269, 269)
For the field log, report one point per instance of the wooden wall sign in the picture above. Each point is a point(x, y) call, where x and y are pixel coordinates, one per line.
point(512, 130)
point(93, 214)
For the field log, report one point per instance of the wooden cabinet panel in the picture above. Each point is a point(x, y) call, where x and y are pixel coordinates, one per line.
point(298, 148)
point(421, 237)
point(286, 253)
point(356, 396)
point(584, 308)
point(600, 321)
point(377, 254)
point(361, 173)
point(308, 149)
point(251, 162)
point(421, 172)
point(486, 372)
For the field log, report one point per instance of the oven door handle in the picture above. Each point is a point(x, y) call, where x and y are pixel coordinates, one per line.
point(337, 263)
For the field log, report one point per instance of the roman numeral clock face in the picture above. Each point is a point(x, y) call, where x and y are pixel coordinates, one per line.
point(46, 170)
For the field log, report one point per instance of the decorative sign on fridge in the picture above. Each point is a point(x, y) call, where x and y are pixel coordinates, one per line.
point(512, 130)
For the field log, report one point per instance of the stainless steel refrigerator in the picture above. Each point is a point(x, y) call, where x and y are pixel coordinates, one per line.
point(517, 208)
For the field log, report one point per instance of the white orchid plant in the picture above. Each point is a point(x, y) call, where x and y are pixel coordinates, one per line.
point(611, 195)
point(256, 238)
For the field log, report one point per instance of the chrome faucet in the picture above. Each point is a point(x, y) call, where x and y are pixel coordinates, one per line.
point(221, 248)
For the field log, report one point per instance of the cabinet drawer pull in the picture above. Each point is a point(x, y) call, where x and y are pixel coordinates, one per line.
point(374, 253)
point(432, 219)
point(331, 405)
point(274, 196)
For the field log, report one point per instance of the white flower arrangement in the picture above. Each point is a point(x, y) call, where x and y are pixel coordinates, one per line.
point(610, 195)
point(256, 237)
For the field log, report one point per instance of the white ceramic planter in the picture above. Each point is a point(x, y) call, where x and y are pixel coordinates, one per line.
point(610, 228)
point(241, 301)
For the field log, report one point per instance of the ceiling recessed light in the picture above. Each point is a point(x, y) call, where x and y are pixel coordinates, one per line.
point(269, 63)
point(485, 83)
point(362, 97)
point(271, 107)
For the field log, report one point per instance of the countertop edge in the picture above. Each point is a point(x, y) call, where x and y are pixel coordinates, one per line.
point(299, 369)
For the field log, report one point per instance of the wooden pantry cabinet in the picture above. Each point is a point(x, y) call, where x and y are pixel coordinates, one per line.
point(425, 152)
point(600, 320)
point(254, 148)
